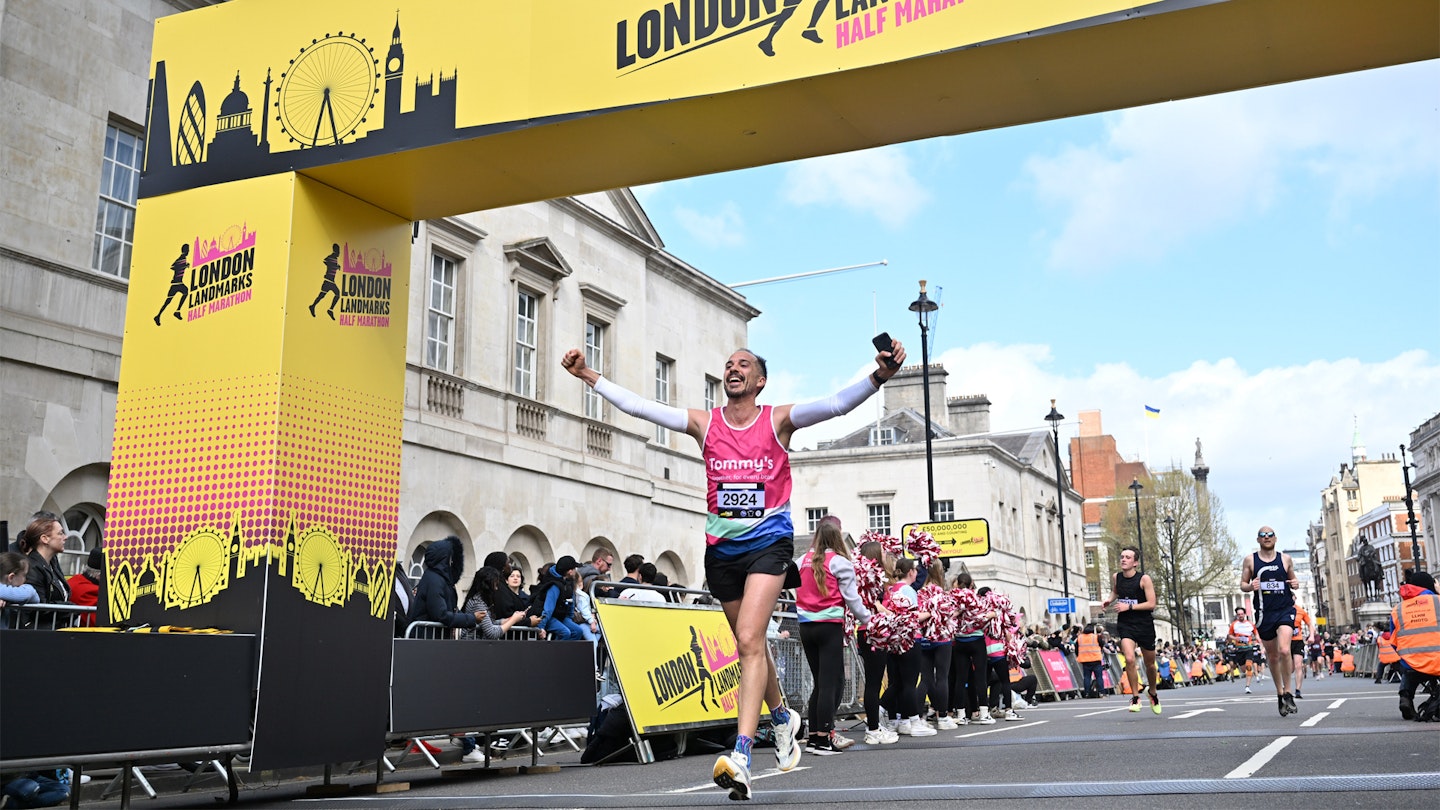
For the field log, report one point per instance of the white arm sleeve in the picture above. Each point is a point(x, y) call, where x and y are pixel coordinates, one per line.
point(666, 416)
point(805, 414)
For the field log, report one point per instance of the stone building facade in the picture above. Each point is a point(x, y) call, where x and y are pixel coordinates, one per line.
point(876, 478)
point(1424, 456)
point(501, 446)
point(1357, 488)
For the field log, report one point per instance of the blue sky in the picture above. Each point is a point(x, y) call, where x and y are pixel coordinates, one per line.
point(1263, 266)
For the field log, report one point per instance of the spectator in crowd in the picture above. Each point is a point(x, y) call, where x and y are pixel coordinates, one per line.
point(554, 601)
point(510, 597)
point(18, 544)
point(484, 593)
point(632, 569)
point(13, 588)
point(38, 788)
point(598, 568)
point(85, 586)
point(827, 589)
point(584, 613)
point(998, 632)
point(1024, 684)
point(644, 575)
point(42, 541)
point(435, 599)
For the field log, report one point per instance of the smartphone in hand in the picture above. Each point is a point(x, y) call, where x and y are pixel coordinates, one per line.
point(883, 343)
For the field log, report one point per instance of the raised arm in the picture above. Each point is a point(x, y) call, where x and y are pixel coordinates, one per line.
point(689, 421)
point(789, 418)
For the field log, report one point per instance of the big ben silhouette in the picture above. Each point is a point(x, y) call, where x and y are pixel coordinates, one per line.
point(394, 76)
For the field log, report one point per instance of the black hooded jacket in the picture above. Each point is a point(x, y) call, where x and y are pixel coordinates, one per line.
point(435, 598)
point(564, 602)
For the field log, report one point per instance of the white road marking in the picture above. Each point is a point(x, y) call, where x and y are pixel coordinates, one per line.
point(1192, 714)
point(1002, 728)
point(1261, 757)
point(1103, 711)
point(1336, 704)
point(1317, 718)
point(753, 778)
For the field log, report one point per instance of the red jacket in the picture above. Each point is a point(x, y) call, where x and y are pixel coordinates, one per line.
point(84, 591)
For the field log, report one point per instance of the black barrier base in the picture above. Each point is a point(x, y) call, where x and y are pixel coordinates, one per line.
point(441, 686)
point(143, 692)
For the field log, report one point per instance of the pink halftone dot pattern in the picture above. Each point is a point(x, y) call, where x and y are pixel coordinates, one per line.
point(339, 462)
point(191, 455)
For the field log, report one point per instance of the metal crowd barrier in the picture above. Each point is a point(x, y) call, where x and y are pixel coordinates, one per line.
point(1367, 658)
point(45, 616)
point(435, 631)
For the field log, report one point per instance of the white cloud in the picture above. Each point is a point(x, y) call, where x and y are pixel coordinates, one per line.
point(1166, 173)
point(1272, 438)
point(874, 182)
point(724, 227)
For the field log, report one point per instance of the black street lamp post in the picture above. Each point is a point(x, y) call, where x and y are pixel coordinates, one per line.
point(922, 307)
point(1135, 487)
point(1417, 556)
point(1054, 418)
point(1174, 581)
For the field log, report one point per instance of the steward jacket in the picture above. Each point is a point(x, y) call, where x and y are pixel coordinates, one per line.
point(1089, 648)
point(1417, 631)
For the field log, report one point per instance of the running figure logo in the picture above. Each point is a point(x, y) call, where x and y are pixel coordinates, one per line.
point(767, 44)
point(328, 286)
point(177, 284)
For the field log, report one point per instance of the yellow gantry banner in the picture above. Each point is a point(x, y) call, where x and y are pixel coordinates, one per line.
point(957, 538)
point(259, 412)
point(679, 667)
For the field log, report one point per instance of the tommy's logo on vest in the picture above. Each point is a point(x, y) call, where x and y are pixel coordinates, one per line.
point(222, 271)
point(743, 465)
point(682, 26)
point(358, 282)
point(712, 663)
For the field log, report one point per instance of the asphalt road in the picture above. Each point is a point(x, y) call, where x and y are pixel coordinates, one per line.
point(1212, 747)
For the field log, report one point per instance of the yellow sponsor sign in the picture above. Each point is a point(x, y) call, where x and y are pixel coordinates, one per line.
point(679, 666)
point(957, 538)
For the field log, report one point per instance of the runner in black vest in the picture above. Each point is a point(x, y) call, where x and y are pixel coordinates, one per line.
point(1271, 577)
point(1133, 595)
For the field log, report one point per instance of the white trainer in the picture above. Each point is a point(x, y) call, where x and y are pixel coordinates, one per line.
point(787, 741)
point(919, 728)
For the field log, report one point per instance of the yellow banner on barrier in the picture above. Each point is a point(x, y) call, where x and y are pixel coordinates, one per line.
point(957, 538)
point(679, 666)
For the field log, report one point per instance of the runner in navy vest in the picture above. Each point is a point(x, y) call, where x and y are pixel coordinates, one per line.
point(1271, 577)
point(1133, 595)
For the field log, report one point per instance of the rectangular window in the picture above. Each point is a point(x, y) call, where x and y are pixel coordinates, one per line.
point(527, 331)
point(664, 370)
point(115, 217)
point(882, 435)
point(712, 393)
point(1093, 586)
point(1089, 558)
point(813, 516)
point(879, 517)
point(594, 358)
point(944, 511)
point(440, 315)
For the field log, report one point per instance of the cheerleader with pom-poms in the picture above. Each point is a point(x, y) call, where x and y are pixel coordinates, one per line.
point(1002, 632)
point(874, 573)
point(904, 669)
point(936, 642)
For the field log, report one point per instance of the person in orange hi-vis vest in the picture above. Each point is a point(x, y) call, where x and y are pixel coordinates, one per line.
point(1091, 661)
point(1416, 635)
point(1385, 651)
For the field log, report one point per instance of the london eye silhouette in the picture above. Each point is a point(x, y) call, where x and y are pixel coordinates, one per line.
point(328, 90)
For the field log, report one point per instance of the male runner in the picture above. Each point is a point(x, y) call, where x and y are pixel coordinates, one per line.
point(1303, 626)
point(1133, 595)
point(1271, 577)
point(1242, 636)
point(328, 286)
point(748, 533)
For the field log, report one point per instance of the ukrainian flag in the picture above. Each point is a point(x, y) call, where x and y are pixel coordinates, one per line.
point(1152, 413)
